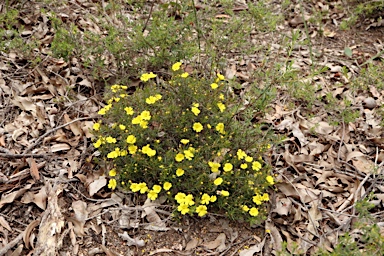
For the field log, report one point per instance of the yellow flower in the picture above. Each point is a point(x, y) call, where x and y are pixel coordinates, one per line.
point(257, 199)
point(248, 159)
point(183, 208)
point(143, 187)
point(115, 88)
point(102, 111)
point(244, 166)
point(132, 149)
point(270, 179)
point(145, 115)
point(97, 144)
point(167, 185)
point(221, 106)
point(256, 166)
point(158, 96)
point(129, 110)
point(143, 124)
point(228, 167)
point(221, 96)
point(224, 193)
point(180, 197)
point(112, 184)
point(253, 212)
point(188, 154)
point(110, 139)
point(176, 66)
point(131, 139)
point(245, 208)
point(156, 188)
point(184, 141)
point(179, 172)
point(112, 172)
point(152, 195)
point(179, 157)
point(220, 76)
point(214, 166)
point(136, 120)
point(201, 210)
point(145, 77)
point(265, 197)
point(185, 75)
point(96, 126)
point(134, 187)
point(150, 100)
point(195, 111)
point(147, 150)
point(218, 181)
point(189, 200)
point(114, 154)
point(213, 199)
point(122, 127)
point(214, 86)
point(220, 128)
point(197, 127)
point(205, 199)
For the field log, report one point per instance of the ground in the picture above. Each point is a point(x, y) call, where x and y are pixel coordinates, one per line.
point(54, 199)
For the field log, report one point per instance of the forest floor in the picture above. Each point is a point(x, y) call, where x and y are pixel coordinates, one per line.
point(54, 198)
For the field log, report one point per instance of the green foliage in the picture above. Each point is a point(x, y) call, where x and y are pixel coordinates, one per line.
point(65, 42)
point(10, 34)
point(183, 139)
point(361, 9)
point(365, 239)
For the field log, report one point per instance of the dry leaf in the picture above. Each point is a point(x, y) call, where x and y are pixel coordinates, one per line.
point(24, 103)
point(81, 215)
point(5, 224)
point(96, 185)
point(283, 206)
point(8, 198)
point(33, 169)
point(156, 223)
point(192, 244)
point(218, 243)
point(131, 241)
point(60, 147)
point(277, 241)
point(77, 131)
point(253, 249)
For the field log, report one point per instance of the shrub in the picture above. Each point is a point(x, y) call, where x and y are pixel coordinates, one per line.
point(183, 140)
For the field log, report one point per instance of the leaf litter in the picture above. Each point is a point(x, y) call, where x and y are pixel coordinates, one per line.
point(50, 189)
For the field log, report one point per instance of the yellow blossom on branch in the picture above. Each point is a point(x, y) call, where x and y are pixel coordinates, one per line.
point(167, 185)
point(197, 127)
point(112, 184)
point(201, 210)
point(145, 77)
point(253, 212)
point(96, 126)
point(176, 66)
point(112, 172)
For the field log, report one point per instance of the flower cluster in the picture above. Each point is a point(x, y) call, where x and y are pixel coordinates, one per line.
point(180, 140)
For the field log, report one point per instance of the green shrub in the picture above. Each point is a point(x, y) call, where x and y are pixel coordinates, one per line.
point(184, 139)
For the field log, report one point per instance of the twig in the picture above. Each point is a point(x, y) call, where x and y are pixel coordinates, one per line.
point(55, 129)
point(149, 17)
point(5, 155)
point(11, 244)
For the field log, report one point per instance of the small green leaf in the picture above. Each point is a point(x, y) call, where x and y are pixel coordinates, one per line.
point(348, 51)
